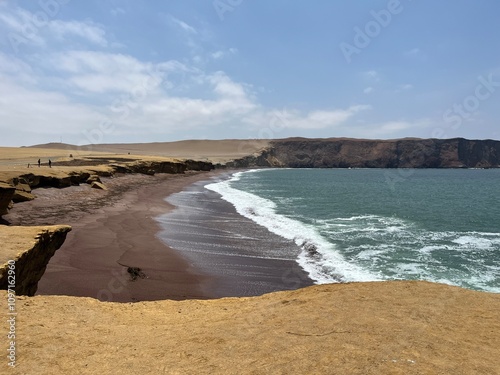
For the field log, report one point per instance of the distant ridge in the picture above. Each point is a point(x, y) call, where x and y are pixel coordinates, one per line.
point(215, 150)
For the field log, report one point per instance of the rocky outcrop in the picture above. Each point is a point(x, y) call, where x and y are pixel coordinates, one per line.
point(153, 167)
point(197, 165)
point(358, 153)
point(30, 249)
point(6, 193)
point(98, 185)
point(23, 190)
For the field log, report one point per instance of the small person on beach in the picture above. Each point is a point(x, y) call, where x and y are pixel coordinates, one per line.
point(39, 163)
point(50, 163)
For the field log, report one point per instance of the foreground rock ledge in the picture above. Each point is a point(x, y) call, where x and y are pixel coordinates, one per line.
point(31, 248)
point(359, 328)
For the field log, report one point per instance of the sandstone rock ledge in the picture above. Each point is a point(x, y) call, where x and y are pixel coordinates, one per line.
point(31, 248)
point(359, 328)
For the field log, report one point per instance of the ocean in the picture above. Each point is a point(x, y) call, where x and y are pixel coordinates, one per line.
point(348, 225)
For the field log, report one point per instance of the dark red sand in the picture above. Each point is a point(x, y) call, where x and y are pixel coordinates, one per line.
point(113, 252)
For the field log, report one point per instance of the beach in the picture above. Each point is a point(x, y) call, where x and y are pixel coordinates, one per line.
point(114, 253)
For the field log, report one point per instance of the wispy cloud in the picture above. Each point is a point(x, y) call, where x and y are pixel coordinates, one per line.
point(87, 30)
point(182, 25)
point(317, 119)
point(19, 26)
point(392, 129)
point(117, 11)
point(371, 75)
point(221, 54)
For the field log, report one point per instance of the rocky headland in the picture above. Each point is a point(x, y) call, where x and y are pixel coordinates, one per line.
point(362, 153)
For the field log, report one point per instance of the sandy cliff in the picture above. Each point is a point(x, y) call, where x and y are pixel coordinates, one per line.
point(361, 328)
point(31, 248)
point(6, 194)
point(16, 183)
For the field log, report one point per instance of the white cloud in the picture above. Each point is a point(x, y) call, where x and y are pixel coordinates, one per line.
point(117, 11)
point(318, 119)
point(23, 27)
point(183, 25)
point(14, 67)
point(113, 82)
point(69, 91)
point(87, 30)
point(220, 54)
point(405, 87)
point(101, 72)
point(392, 129)
point(371, 75)
point(18, 26)
point(43, 112)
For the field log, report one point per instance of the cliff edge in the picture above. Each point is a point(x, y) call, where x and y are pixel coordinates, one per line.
point(31, 249)
point(399, 327)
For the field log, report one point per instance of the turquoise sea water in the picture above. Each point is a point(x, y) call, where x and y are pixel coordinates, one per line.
point(375, 224)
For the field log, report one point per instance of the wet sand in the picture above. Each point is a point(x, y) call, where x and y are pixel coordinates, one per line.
point(114, 254)
point(243, 258)
point(95, 259)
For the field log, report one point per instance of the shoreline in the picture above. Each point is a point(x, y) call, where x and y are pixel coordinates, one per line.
point(242, 257)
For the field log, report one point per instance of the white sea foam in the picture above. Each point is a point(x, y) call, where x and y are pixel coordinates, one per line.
point(373, 247)
point(318, 257)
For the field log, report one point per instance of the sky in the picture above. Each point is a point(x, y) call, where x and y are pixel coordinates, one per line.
point(115, 71)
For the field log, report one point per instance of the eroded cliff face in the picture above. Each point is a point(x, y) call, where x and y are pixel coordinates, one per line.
point(6, 194)
point(358, 153)
point(31, 249)
point(16, 185)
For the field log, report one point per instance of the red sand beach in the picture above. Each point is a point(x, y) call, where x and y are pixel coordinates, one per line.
point(113, 252)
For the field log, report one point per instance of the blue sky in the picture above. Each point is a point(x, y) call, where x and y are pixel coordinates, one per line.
point(112, 71)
